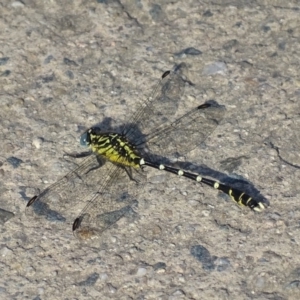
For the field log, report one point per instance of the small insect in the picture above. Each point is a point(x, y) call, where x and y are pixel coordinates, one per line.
point(151, 134)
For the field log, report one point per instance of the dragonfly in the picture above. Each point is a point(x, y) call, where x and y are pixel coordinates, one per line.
point(119, 158)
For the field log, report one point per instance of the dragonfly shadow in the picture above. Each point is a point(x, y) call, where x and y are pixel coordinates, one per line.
point(43, 210)
point(236, 182)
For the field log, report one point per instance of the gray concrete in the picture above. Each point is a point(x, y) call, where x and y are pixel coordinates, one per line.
point(67, 65)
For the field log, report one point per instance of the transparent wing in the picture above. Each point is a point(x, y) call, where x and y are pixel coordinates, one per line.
point(160, 106)
point(57, 203)
point(97, 189)
point(188, 131)
point(114, 200)
point(96, 184)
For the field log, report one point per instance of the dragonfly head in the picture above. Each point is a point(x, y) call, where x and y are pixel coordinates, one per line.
point(90, 136)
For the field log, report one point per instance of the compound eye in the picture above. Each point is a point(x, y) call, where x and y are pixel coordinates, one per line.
point(85, 139)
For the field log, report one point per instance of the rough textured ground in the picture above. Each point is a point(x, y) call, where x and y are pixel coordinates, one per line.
point(66, 65)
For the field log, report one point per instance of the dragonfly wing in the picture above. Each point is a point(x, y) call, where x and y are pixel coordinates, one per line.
point(158, 108)
point(114, 200)
point(56, 203)
point(188, 131)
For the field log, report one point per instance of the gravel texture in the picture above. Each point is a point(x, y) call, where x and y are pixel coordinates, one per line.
point(67, 65)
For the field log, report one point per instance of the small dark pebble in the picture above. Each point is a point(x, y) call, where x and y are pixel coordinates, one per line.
point(5, 216)
point(93, 261)
point(189, 51)
point(203, 255)
point(47, 100)
point(156, 12)
point(245, 64)
point(70, 62)
point(90, 281)
point(47, 79)
point(266, 28)
point(48, 59)
point(3, 61)
point(159, 266)
point(14, 161)
point(5, 73)
point(282, 45)
point(208, 13)
point(70, 74)
point(230, 44)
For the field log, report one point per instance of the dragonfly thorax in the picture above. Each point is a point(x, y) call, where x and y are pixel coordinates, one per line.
point(113, 146)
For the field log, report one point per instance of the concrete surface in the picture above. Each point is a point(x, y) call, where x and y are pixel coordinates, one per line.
point(66, 65)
